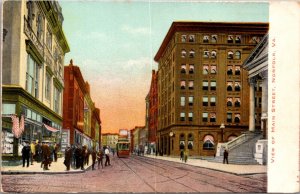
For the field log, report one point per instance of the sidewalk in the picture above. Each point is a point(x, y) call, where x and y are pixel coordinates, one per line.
point(55, 168)
point(229, 168)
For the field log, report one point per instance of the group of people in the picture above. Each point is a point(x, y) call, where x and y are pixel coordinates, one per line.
point(77, 156)
point(44, 152)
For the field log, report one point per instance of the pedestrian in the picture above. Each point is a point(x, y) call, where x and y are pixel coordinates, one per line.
point(26, 153)
point(46, 156)
point(181, 155)
point(94, 156)
point(186, 154)
point(77, 156)
point(51, 158)
point(100, 158)
point(56, 149)
point(68, 157)
point(82, 157)
point(225, 156)
point(38, 151)
point(107, 160)
point(32, 150)
point(87, 155)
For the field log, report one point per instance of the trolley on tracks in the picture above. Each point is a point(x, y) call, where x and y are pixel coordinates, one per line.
point(123, 145)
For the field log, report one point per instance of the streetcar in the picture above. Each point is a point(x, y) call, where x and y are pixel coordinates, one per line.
point(123, 148)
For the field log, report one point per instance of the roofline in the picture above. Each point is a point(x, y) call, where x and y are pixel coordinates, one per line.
point(234, 27)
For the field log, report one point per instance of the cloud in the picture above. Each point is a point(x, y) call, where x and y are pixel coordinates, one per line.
point(132, 30)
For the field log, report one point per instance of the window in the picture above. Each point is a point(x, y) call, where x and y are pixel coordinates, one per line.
point(213, 54)
point(182, 116)
point(49, 39)
point(229, 86)
point(205, 69)
point(255, 40)
point(205, 39)
point(48, 86)
point(237, 70)
point(213, 85)
point(182, 100)
point(191, 100)
point(208, 142)
point(205, 117)
point(206, 54)
point(237, 86)
point(191, 85)
point(192, 68)
point(237, 55)
point(205, 85)
point(213, 69)
point(192, 54)
point(229, 70)
point(183, 53)
point(40, 24)
point(190, 141)
point(229, 101)
point(237, 118)
point(182, 84)
point(181, 141)
point(212, 117)
point(190, 116)
point(230, 55)
point(212, 101)
point(191, 38)
point(205, 101)
point(57, 95)
point(32, 76)
point(30, 14)
point(238, 38)
point(230, 39)
point(237, 102)
point(183, 38)
point(214, 38)
point(183, 68)
point(229, 117)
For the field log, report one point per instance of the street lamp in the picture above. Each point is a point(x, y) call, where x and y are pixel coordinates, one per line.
point(222, 127)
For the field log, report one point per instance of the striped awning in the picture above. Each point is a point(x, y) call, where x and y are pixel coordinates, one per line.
point(50, 128)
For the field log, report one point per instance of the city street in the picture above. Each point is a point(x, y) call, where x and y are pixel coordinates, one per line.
point(138, 174)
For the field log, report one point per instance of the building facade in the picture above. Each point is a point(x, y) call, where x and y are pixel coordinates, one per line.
point(80, 115)
point(153, 111)
point(203, 92)
point(110, 139)
point(34, 47)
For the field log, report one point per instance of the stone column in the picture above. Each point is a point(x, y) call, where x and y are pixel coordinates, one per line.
point(252, 105)
point(264, 108)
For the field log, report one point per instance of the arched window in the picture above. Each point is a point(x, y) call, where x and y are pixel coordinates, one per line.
point(238, 38)
point(231, 137)
point(237, 86)
point(230, 55)
point(192, 54)
point(237, 102)
point(205, 39)
point(230, 39)
point(212, 117)
point(192, 38)
point(214, 38)
point(229, 117)
point(229, 101)
point(206, 54)
point(237, 70)
point(183, 68)
point(213, 69)
point(181, 141)
point(237, 55)
point(229, 86)
point(191, 68)
point(237, 118)
point(183, 53)
point(205, 69)
point(229, 70)
point(213, 54)
point(183, 38)
point(182, 84)
point(209, 143)
point(190, 141)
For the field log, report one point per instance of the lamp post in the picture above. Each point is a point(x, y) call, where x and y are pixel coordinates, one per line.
point(222, 127)
point(171, 134)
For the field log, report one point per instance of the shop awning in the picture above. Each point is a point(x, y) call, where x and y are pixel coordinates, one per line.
point(50, 128)
point(209, 138)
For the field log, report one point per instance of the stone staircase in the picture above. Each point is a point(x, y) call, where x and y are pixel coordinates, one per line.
point(241, 150)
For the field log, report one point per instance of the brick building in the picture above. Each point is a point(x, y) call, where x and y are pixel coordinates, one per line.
point(203, 93)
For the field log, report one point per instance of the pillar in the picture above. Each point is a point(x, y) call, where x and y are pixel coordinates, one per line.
point(252, 105)
point(264, 107)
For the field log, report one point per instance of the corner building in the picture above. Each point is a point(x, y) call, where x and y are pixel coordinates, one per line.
point(203, 93)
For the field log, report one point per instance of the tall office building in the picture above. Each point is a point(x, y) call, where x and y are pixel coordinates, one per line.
point(203, 93)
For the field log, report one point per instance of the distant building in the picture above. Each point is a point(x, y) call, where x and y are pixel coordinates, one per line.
point(203, 91)
point(110, 139)
point(34, 47)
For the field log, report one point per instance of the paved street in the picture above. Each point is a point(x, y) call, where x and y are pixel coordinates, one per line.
point(138, 174)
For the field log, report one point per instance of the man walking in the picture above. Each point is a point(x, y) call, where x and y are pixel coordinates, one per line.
point(107, 161)
point(32, 154)
point(94, 156)
point(100, 158)
point(68, 156)
point(26, 154)
point(225, 156)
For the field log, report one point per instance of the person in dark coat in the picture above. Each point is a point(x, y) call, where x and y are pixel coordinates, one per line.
point(181, 155)
point(46, 155)
point(225, 156)
point(94, 156)
point(82, 156)
point(68, 157)
point(78, 156)
point(38, 152)
point(56, 149)
point(100, 158)
point(26, 154)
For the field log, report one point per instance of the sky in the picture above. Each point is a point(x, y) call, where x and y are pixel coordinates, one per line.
point(114, 43)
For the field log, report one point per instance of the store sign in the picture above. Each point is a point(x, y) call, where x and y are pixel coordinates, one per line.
point(65, 139)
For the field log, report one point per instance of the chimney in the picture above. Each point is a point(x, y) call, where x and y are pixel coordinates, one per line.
point(71, 62)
